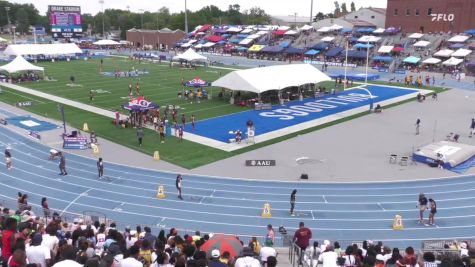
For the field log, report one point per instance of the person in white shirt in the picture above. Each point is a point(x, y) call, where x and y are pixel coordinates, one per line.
point(50, 240)
point(132, 261)
point(350, 259)
point(328, 258)
point(266, 251)
point(37, 253)
point(247, 260)
point(311, 254)
point(68, 254)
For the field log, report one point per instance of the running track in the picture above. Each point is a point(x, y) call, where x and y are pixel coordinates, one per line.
point(219, 205)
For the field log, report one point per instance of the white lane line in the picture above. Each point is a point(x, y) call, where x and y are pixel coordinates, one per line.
point(324, 199)
point(282, 182)
point(83, 194)
point(214, 190)
point(381, 206)
point(240, 199)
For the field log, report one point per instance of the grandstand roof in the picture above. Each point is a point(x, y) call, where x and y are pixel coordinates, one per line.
point(259, 80)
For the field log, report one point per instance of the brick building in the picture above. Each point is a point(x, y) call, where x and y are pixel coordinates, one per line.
point(431, 15)
point(165, 38)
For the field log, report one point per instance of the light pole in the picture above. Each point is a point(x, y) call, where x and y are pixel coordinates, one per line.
point(367, 61)
point(186, 18)
point(311, 12)
point(141, 18)
point(103, 27)
point(158, 26)
point(7, 9)
point(14, 37)
point(295, 20)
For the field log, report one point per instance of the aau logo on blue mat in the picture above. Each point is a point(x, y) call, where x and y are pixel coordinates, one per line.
point(261, 162)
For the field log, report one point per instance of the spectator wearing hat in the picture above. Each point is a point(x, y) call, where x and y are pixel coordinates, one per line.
point(247, 259)
point(37, 253)
point(267, 251)
point(67, 256)
point(132, 260)
point(214, 260)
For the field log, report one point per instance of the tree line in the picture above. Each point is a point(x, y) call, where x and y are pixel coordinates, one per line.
point(339, 11)
point(22, 16)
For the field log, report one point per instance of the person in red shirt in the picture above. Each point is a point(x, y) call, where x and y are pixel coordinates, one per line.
point(302, 236)
point(8, 237)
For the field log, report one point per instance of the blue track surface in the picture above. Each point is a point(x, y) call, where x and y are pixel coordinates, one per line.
point(295, 112)
point(332, 211)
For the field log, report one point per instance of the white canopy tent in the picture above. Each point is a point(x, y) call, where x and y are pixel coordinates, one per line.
point(336, 27)
point(247, 30)
point(262, 33)
point(416, 35)
point(324, 29)
point(253, 36)
point(452, 61)
point(20, 64)
point(185, 45)
point(106, 42)
point(385, 49)
point(379, 31)
point(444, 53)
point(198, 46)
point(234, 29)
point(422, 44)
point(459, 39)
point(2, 40)
point(42, 49)
point(190, 55)
point(246, 41)
point(209, 44)
point(259, 80)
point(369, 39)
point(431, 60)
point(306, 27)
point(291, 32)
point(283, 28)
point(327, 39)
point(462, 52)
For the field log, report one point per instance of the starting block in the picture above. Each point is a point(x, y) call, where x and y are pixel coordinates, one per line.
point(95, 149)
point(85, 128)
point(156, 155)
point(397, 223)
point(266, 211)
point(161, 192)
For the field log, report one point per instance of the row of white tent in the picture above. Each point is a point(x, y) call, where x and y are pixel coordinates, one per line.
point(252, 28)
point(454, 39)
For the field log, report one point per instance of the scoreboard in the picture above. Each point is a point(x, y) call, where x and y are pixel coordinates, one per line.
point(65, 21)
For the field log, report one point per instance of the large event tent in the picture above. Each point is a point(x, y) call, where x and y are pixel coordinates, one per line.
point(462, 52)
point(42, 49)
point(444, 53)
point(106, 42)
point(452, 61)
point(190, 55)
point(259, 80)
point(20, 64)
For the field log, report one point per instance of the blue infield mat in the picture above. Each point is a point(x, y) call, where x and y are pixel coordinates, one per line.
point(296, 113)
point(31, 124)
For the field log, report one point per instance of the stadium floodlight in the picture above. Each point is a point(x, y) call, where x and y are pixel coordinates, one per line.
point(103, 27)
point(186, 18)
point(141, 18)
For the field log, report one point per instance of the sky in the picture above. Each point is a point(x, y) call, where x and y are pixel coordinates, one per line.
point(272, 7)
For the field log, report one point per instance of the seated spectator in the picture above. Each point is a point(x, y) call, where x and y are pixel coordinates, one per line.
point(267, 251)
point(328, 258)
point(247, 259)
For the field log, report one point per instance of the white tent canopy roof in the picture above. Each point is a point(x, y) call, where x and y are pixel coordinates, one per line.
point(444, 53)
point(385, 49)
point(369, 38)
point(191, 55)
point(42, 49)
point(234, 29)
point(335, 27)
point(253, 36)
point(327, 39)
point(416, 35)
point(306, 27)
point(198, 46)
point(283, 28)
point(452, 61)
point(247, 30)
point(324, 29)
point(431, 60)
point(462, 52)
point(20, 64)
point(259, 80)
point(261, 33)
point(246, 41)
point(422, 44)
point(3, 40)
point(379, 30)
point(186, 45)
point(106, 42)
point(291, 32)
point(209, 44)
point(459, 39)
